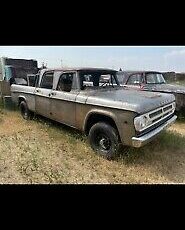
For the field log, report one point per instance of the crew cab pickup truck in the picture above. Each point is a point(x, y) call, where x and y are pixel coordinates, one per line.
point(109, 115)
point(152, 81)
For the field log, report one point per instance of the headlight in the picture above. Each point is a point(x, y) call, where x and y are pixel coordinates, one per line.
point(141, 122)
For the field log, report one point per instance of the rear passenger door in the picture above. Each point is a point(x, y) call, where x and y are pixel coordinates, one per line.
point(43, 94)
point(63, 106)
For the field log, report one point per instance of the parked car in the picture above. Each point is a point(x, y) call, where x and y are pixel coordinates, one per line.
point(152, 81)
point(105, 112)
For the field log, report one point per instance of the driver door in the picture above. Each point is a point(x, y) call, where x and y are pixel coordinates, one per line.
point(63, 99)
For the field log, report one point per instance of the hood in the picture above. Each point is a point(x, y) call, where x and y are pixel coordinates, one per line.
point(167, 88)
point(132, 100)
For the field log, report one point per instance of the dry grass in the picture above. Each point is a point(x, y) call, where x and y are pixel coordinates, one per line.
point(41, 151)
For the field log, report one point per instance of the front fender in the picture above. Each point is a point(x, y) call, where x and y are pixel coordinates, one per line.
point(100, 112)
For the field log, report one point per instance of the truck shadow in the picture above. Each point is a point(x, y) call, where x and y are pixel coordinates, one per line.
point(59, 126)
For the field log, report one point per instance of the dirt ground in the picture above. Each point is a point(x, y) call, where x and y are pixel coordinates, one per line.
point(42, 152)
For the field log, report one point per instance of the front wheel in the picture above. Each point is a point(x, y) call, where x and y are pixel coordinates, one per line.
point(25, 112)
point(104, 140)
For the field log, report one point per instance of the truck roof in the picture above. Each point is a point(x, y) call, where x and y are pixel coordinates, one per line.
point(80, 69)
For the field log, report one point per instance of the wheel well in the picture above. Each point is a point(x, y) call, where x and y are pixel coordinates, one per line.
point(95, 118)
point(20, 100)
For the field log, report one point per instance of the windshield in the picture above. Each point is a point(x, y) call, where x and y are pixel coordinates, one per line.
point(155, 78)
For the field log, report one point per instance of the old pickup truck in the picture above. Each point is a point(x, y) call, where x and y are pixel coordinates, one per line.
point(105, 112)
point(152, 81)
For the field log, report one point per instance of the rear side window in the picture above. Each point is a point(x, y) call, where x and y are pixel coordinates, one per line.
point(47, 80)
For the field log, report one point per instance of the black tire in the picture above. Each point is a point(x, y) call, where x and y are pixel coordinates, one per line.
point(25, 112)
point(104, 140)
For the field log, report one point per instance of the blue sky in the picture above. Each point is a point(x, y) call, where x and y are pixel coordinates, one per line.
point(128, 58)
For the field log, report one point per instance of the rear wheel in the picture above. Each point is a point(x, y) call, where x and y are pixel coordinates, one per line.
point(104, 139)
point(25, 112)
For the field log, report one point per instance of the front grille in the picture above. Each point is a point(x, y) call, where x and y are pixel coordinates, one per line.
point(155, 126)
point(157, 118)
point(168, 108)
point(152, 115)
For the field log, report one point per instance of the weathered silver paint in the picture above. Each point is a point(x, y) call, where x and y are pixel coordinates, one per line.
point(28, 94)
point(42, 101)
point(140, 102)
point(74, 108)
point(122, 118)
point(63, 106)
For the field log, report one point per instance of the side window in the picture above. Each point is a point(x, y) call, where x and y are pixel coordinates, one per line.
point(135, 79)
point(65, 82)
point(47, 81)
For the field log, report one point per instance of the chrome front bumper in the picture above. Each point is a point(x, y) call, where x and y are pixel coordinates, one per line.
point(140, 141)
